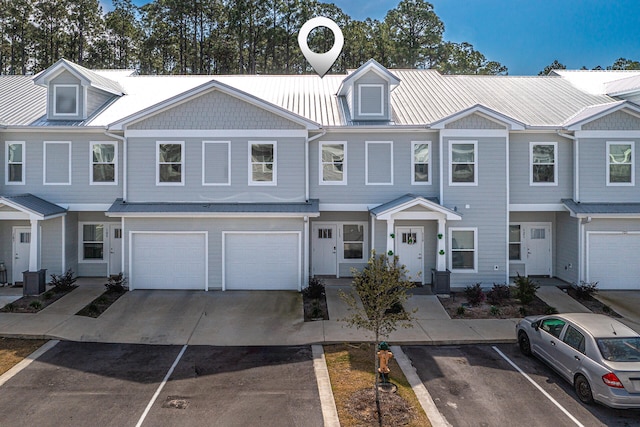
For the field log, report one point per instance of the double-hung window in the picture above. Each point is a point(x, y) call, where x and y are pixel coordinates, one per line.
point(620, 163)
point(515, 242)
point(543, 163)
point(170, 163)
point(353, 241)
point(333, 160)
point(262, 163)
point(103, 163)
point(421, 161)
point(464, 249)
point(92, 238)
point(15, 169)
point(464, 163)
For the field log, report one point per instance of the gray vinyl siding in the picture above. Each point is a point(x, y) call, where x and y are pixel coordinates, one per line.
point(57, 159)
point(289, 164)
point(474, 121)
point(567, 247)
point(618, 120)
point(80, 190)
point(593, 173)
point(369, 97)
point(51, 246)
point(96, 99)
point(216, 161)
point(356, 190)
point(214, 227)
point(520, 189)
point(487, 211)
point(380, 165)
point(216, 110)
point(612, 224)
point(65, 78)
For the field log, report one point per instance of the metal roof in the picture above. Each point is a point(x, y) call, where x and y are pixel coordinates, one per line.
point(594, 81)
point(622, 86)
point(602, 209)
point(121, 208)
point(96, 80)
point(21, 102)
point(591, 111)
point(410, 200)
point(33, 204)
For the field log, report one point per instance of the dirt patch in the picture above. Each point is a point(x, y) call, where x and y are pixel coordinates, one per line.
point(13, 350)
point(99, 305)
point(591, 303)
point(510, 308)
point(351, 370)
point(35, 303)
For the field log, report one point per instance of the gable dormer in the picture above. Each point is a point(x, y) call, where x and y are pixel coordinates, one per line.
point(75, 92)
point(367, 92)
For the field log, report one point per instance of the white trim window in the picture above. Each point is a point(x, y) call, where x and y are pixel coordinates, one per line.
point(333, 162)
point(543, 163)
point(169, 162)
point(263, 158)
point(515, 242)
point(463, 159)
point(53, 167)
point(371, 91)
point(66, 100)
point(421, 162)
point(353, 241)
point(464, 250)
point(103, 163)
point(620, 163)
point(15, 162)
point(92, 238)
point(214, 169)
point(382, 159)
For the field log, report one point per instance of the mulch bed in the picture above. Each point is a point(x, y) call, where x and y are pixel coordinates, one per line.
point(99, 305)
point(591, 303)
point(35, 303)
point(315, 308)
point(509, 309)
point(397, 411)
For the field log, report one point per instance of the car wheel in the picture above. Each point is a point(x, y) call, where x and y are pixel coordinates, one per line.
point(583, 390)
point(524, 344)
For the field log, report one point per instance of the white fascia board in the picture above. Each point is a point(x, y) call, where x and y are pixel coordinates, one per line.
point(224, 133)
point(346, 207)
point(56, 129)
point(606, 215)
point(543, 207)
point(475, 133)
point(607, 134)
point(210, 215)
point(487, 113)
point(379, 129)
point(86, 207)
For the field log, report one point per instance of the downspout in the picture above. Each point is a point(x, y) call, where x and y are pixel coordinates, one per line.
point(576, 164)
point(306, 263)
point(124, 161)
point(441, 154)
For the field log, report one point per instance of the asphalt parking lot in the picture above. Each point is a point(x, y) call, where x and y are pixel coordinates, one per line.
point(80, 384)
point(473, 385)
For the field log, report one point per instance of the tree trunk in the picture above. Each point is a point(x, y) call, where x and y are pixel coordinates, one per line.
point(377, 365)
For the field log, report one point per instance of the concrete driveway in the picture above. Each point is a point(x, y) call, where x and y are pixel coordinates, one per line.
point(625, 303)
point(80, 384)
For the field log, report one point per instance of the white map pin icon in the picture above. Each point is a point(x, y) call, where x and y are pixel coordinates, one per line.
point(321, 62)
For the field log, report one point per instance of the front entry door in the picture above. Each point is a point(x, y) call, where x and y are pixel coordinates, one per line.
point(409, 247)
point(538, 247)
point(115, 249)
point(21, 246)
point(324, 249)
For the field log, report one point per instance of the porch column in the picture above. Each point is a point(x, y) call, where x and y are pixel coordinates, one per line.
point(441, 260)
point(33, 245)
point(390, 240)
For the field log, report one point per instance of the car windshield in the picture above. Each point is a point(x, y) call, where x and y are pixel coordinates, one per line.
point(620, 349)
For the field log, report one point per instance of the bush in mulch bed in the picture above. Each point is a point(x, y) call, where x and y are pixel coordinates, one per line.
point(116, 287)
point(584, 292)
point(35, 303)
point(314, 301)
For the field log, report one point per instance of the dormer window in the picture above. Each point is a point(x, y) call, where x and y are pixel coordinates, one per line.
point(65, 100)
point(371, 100)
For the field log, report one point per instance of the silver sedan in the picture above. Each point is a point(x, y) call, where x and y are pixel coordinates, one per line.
point(598, 355)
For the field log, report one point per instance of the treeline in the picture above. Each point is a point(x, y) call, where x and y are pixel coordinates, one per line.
point(222, 37)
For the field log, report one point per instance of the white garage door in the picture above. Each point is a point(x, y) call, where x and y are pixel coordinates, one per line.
point(613, 260)
point(168, 261)
point(269, 261)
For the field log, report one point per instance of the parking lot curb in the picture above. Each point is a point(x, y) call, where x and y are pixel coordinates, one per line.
point(329, 411)
point(27, 361)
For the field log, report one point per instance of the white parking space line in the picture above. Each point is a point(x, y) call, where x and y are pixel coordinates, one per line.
point(161, 386)
point(547, 395)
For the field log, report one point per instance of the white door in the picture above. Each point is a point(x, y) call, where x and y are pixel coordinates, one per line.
point(168, 261)
point(613, 260)
point(262, 261)
point(538, 249)
point(115, 249)
point(409, 246)
point(324, 258)
point(21, 246)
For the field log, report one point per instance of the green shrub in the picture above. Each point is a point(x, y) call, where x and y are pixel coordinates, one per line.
point(116, 283)
point(606, 309)
point(550, 310)
point(494, 311)
point(586, 290)
point(64, 282)
point(36, 305)
point(474, 294)
point(523, 311)
point(525, 289)
point(9, 307)
point(315, 290)
point(460, 311)
point(48, 295)
point(498, 294)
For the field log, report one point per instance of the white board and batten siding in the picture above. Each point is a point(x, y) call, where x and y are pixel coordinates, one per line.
point(262, 260)
point(168, 260)
point(612, 259)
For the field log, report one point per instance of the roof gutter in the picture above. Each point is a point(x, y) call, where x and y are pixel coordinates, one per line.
point(124, 160)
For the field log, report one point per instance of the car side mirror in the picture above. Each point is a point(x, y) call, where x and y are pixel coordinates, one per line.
point(535, 325)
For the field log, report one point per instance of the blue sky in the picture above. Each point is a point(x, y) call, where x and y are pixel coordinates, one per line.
point(527, 35)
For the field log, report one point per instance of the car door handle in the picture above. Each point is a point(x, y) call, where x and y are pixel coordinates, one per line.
point(553, 343)
point(577, 358)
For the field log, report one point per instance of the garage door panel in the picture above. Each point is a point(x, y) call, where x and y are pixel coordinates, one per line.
point(613, 260)
point(168, 261)
point(268, 261)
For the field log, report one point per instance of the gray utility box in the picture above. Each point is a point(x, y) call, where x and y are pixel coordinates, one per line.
point(34, 282)
point(440, 282)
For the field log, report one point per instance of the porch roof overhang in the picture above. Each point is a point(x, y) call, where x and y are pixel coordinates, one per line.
point(121, 208)
point(397, 209)
point(29, 206)
point(602, 210)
